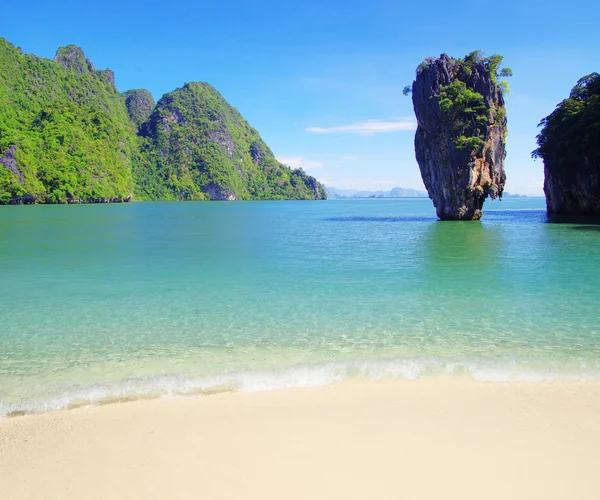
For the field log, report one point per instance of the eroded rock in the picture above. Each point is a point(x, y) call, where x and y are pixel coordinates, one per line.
point(460, 138)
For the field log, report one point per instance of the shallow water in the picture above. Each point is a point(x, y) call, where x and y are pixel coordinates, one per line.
point(102, 302)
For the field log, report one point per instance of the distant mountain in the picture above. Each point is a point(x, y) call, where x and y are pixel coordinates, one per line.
point(397, 192)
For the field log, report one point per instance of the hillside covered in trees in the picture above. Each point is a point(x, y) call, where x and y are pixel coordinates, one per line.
point(68, 136)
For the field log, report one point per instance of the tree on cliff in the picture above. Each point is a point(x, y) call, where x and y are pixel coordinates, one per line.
point(573, 128)
point(569, 144)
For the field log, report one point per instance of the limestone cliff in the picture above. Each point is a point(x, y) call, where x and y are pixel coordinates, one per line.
point(65, 135)
point(73, 58)
point(68, 136)
point(140, 104)
point(197, 146)
point(460, 138)
point(569, 144)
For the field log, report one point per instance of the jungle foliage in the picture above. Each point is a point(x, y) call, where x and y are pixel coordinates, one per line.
point(194, 140)
point(570, 135)
point(467, 112)
point(68, 135)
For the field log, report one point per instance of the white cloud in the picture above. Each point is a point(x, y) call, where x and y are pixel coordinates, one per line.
point(368, 127)
point(300, 162)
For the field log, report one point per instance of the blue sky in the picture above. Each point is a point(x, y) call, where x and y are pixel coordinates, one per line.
point(322, 80)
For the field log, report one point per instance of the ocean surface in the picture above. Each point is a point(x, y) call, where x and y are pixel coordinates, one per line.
point(103, 303)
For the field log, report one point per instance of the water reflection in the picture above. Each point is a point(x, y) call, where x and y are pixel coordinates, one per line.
point(584, 219)
point(402, 218)
point(461, 250)
point(521, 216)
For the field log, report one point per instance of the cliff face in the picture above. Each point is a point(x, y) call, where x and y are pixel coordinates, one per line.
point(569, 144)
point(460, 138)
point(576, 193)
point(73, 58)
point(198, 146)
point(140, 104)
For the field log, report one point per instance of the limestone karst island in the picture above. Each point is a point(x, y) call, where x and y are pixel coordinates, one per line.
point(460, 139)
point(569, 145)
point(68, 136)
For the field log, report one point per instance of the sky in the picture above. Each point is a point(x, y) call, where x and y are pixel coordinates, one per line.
point(322, 80)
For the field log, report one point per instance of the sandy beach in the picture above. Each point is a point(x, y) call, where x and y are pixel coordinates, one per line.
point(417, 440)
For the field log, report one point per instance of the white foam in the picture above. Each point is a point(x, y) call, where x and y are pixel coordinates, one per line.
point(309, 375)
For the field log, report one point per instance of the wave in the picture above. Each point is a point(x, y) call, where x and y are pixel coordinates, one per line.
point(309, 375)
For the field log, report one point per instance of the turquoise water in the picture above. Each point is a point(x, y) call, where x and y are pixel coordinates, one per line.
point(102, 302)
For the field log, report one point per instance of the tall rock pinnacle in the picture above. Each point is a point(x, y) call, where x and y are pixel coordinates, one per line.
point(460, 138)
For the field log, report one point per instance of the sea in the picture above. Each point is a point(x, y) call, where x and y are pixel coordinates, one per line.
point(112, 302)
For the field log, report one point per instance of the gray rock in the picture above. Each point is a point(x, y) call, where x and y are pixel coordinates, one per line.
point(216, 192)
point(574, 191)
point(72, 57)
point(569, 144)
point(140, 104)
point(457, 179)
point(8, 160)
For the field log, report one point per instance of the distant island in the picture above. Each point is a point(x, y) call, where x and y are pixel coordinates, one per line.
point(68, 136)
point(397, 192)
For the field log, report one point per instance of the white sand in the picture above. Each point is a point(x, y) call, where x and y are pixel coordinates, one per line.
point(413, 440)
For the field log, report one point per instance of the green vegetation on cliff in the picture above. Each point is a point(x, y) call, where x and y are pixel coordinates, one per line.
point(140, 104)
point(198, 146)
point(65, 122)
point(462, 106)
point(569, 144)
point(461, 129)
point(68, 135)
point(571, 133)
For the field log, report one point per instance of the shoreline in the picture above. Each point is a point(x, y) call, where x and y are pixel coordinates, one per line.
point(352, 439)
point(297, 376)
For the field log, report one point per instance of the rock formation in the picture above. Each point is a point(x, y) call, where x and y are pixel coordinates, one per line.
point(68, 136)
point(64, 130)
point(8, 160)
point(460, 138)
point(73, 58)
point(569, 144)
point(140, 104)
point(200, 147)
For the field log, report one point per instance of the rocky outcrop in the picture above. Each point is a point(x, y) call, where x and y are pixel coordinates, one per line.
point(73, 58)
point(216, 192)
point(257, 153)
point(577, 192)
point(569, 144)
point(8, 160)
point(79, 201)
point(140, 104)
point(460, 138)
